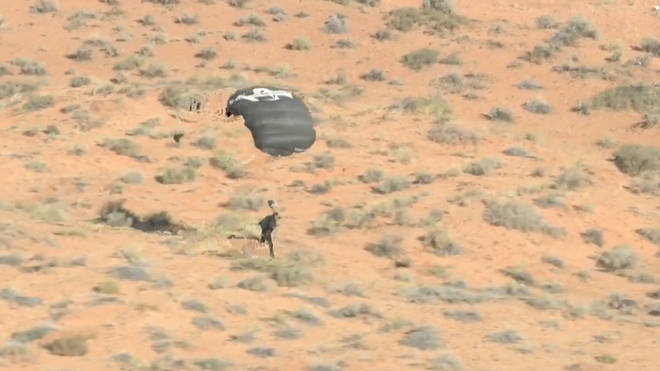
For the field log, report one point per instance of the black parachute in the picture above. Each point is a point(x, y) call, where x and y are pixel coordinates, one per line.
point(280, 123)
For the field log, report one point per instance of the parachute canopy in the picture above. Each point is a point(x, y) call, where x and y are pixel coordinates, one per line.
point(280, 123)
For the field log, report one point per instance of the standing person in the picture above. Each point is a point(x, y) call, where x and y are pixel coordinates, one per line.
point(268, 225)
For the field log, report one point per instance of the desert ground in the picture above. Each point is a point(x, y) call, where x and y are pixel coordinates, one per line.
point(483, 193)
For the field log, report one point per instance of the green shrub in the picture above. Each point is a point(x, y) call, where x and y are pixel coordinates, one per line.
point(651, 45)
point(335, 24)
point(633, 159)
point(251, 20)
point(187, 19)
point(500, 114)
point(651, 234)
point(452, 135)
point(420, 59)
point(38, 102)
point(29, 67)
point(388, 246)
point(72, 346)
point(43, 6)
point(176, 176)
point(253, 35)
point(299, 43)
point(545, 22)
point(206, 54)
point(440, 242)
point(621, 257)
point(640, 97)
point(485, 166)
point(537, 106)
point(594, 236)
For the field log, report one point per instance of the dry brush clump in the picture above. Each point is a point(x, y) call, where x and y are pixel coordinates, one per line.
point(436, 16)
point(568, 35)
point(520, 216)
point(641, 162)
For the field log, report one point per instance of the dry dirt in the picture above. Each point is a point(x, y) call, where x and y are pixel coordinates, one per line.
point(182, 306)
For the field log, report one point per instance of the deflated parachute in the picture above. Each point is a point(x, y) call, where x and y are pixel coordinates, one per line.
point(280, 123)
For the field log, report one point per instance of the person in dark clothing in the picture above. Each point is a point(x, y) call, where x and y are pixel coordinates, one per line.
point(268, 225)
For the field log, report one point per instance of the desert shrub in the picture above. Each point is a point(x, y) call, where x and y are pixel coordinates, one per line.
point(29, 67)
point(424, 338)
point(519, 274)
point(124, 147)
point(382, 35)
point(153, 70)
point(651, 45)
point(132, 177)
point(82, 54)
point(572, 178)
point(451, 59)
point(31, 334)
point(594, 236)
point(388, 246)
point(251, 20)
point(187, 19)
point(245, 201)
point(72, 345)
point(553, 260)
point(537, 106)
point(206, 54)
point(373, 75)
point(517, 215)
point(343, 44)
point(420, 59)
point(485, 166)
point(176, 176)
point(128, 63)
point(641, 97)
point(372, 175)
point(440, 242)
point(225, 161)
point(568, 35)
point(633, 159)
point(254, 35)
point(621, 257)
point(391, 184)
point(299, 43)
point(163, 2)
point(237, 3)
point(647, 182)
point(43, 6)
point(651, 234)
point(515, 151)
point(324, 161)
point(529, 84)
point(356, 310)
point(205, 142)
point(504, 337)
point(451, 134)
point(545, 22)
point(261, 352)
point(335, 24)
point(79, 81)
point(444, 362)
point(38, 102)
point(338, 143)
point(648, 121)
point(436, 15)
point(500, 114)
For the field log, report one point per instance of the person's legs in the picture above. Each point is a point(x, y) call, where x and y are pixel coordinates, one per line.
point(269, 239)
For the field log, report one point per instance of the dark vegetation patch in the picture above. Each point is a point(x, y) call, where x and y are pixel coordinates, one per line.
point(435, 16)
point(116, 215)
point(568, 35)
